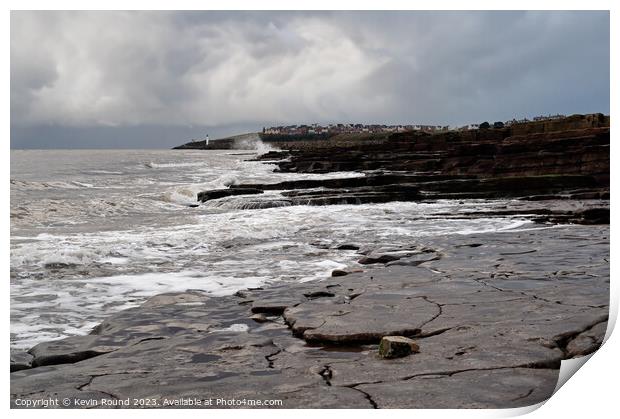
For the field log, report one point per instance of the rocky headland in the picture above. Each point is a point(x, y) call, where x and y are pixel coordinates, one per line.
point(491, 315)
point(539, 161)
point(239, 142)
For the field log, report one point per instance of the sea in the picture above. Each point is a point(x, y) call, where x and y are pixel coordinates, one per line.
point(94, 232)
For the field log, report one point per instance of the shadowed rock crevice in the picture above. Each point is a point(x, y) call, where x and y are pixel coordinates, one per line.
point(367, 396)
point(326, 374)
point(569, 342)
point(270, 358)
point(439, 307)
point(536, 366)
point(523, 396)
point(87, 387)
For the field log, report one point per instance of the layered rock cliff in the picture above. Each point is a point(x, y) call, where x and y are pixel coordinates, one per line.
point(575, 145)
point(560, 159)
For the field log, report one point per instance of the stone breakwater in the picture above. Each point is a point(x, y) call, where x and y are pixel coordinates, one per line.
point(492, 315)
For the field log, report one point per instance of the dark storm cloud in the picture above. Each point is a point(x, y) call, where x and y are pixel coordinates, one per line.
point(247, 69)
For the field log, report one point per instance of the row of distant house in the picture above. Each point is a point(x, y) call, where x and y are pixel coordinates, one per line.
point(548, 117)
point(377, 128)
point(513, 121)
point(349, 129)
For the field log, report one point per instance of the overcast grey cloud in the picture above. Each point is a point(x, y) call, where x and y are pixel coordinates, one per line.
point(150, 78)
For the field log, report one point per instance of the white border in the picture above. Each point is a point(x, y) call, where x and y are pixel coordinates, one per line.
point(591, 393)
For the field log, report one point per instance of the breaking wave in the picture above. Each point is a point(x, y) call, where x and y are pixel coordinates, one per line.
point(25, 184)
point(153, 165)
point(87, 241)
point(254, 143)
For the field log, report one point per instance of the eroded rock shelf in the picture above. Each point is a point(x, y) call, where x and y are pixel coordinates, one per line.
point(493, 315)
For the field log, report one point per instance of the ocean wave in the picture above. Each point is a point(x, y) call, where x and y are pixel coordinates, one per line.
point(187, 193)
point(103, 172)
point(133, 235)
point(249, 203)
point(84, 301)
point(182, 196)
point(153, 165)
point(81, 275)
point(48, 211)
point(37, 185)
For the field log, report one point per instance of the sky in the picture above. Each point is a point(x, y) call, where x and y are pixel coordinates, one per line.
point(107, 79)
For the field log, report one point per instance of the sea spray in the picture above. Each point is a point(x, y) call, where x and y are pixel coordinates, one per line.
point(254, 142)
point(264, 148)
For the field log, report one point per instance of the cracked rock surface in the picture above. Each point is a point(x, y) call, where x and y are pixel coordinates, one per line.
point(493, 315)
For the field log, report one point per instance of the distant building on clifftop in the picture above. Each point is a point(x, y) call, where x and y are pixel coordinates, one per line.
point(316, 129)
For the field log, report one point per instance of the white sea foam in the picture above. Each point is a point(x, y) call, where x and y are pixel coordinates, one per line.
point(264, 148)
point(103, 172)
point(80, 303)
point(237, 327)
point(254, 143)
point(153, 165)
point(82, 184)
point(35, 185)
point(86, 242)
point(83, 276)
point(146, 285)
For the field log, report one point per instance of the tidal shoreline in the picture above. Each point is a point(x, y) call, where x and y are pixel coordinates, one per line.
point(493, 313)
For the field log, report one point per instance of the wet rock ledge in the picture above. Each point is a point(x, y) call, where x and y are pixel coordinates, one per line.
point(492, 316)
point(538, 161)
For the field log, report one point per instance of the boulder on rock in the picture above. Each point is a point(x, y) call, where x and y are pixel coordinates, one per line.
point(397, 347)
point(339, 272)
point(20, 361)
point(348, 246)
point(369, 260)
point(259, 318)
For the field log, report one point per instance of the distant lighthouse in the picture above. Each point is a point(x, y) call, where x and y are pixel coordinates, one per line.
point(207, 140)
